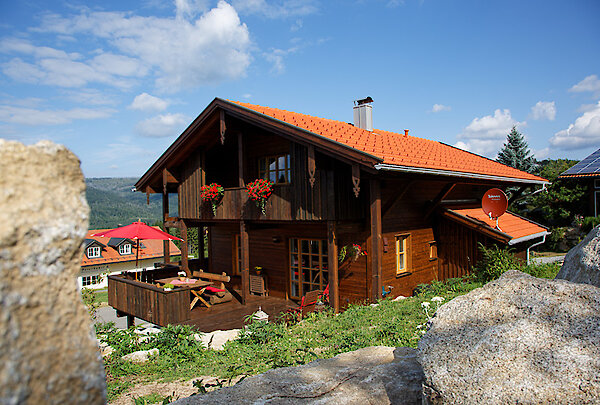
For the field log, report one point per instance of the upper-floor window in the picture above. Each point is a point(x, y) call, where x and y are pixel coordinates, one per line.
point(125, 249)
point(93, 251)
point(275, 168)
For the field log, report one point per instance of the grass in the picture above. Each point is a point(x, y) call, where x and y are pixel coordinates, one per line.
point(270, 345)
point(101, 296)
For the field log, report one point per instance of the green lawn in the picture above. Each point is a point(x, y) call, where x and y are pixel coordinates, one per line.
point(101, 296)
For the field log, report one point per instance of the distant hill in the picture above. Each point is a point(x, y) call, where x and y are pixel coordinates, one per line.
point(112, 203)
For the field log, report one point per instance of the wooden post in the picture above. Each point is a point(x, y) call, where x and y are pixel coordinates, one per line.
point(201, 247)
point(184, 248)
point(165, 211)
point(332, 264)
point(130, 321)
point(376, 242)
point(240, 160)
point(245, 252)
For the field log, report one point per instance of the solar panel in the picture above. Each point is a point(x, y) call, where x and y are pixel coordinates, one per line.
point(589, 165)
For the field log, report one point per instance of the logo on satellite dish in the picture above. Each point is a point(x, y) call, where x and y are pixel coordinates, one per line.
point(494, 203)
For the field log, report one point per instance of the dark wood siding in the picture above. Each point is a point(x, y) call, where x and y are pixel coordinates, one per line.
point(189, 186)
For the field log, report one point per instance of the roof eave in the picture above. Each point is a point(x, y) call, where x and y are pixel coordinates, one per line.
point(525, 238)
point(452, 173)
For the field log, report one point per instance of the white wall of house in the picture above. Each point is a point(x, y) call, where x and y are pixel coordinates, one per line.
point(94, 277)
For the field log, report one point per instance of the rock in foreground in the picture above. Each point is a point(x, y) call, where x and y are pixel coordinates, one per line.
point(373, 375)
point(518, 339)
point(48, 354)
point(582, 263)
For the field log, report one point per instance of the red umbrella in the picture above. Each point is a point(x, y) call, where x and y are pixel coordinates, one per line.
point(138, 230)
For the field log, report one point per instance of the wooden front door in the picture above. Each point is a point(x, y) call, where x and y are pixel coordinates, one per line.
point(308, 266)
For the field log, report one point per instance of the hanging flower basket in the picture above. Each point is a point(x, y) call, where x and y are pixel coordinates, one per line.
point(353, 251)
point(259, 191)
point(212, 193)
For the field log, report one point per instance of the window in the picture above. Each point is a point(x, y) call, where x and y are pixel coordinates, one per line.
point(125, 249)
point(596, 183)
point(275, 168)
point(402, 254)
point(93, 251)
point(433, 250)
point(237, 255)
point(89, 280)
point(308, 266)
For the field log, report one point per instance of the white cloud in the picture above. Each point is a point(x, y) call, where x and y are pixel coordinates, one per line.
point(162, 125)
point(591, 83)
point(544, 110)
point(90, 97)
point(297, 25)
point(275, 56)
point(583, 133)
point(179, 52)
point(440, 107)
point(146, 102)
point(276, 8)
point(486, 135)
point(34, 117)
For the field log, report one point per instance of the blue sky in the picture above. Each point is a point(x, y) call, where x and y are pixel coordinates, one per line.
point(117, 82)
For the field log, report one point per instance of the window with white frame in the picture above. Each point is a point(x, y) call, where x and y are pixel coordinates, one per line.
point(89, 280)
point(93, 251)
point(125, 249)
point(402, 254)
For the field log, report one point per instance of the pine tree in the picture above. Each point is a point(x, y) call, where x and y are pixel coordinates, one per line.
point(516, 153)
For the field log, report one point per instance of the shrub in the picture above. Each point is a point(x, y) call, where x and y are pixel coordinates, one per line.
point(589, 223)
point(494, 262)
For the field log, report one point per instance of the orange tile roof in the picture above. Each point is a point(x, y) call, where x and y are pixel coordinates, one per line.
point(513, 225)
point(396, 149)
point(152, 249)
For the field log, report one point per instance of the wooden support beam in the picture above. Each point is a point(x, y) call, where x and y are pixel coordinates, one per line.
point(332, 264)
point(201, 232)
point(222, 126)
point(245, 253)
point(240, 160)
point(184, 248)
point(311, 165)
point(394, 199)
point(356, 179)
point(438, 199)
point(376, 252)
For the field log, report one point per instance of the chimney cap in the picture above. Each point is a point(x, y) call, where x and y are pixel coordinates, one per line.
point(363, 101)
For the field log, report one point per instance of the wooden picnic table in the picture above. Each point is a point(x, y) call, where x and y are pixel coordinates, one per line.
point(197, 289)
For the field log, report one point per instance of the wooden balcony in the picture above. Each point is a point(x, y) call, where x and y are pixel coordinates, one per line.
point(283, 205)
point(152, 304)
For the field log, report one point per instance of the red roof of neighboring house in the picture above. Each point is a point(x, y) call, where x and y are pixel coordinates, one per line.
point(518, 229)
point(396, 149)
point(149, 249)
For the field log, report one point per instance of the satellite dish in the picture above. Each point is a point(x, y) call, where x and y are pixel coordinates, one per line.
point(494, 203)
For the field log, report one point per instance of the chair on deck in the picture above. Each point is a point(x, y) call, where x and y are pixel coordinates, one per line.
point(308, 302)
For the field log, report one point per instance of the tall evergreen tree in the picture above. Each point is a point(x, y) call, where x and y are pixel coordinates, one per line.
point(516, 153)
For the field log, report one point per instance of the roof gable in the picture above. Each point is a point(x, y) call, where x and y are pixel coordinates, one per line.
point(380, 150)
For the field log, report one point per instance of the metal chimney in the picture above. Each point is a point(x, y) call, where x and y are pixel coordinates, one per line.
point(363, 114)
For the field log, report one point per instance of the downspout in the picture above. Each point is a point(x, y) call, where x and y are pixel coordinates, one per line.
point(535, 244)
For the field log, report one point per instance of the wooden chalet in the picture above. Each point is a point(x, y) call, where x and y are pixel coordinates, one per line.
point(404, 199)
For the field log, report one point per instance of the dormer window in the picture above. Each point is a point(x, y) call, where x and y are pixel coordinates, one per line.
point(275, 168)
point(125, 249)
point(93, 252)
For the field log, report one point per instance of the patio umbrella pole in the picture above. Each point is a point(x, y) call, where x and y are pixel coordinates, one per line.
point(137, 252)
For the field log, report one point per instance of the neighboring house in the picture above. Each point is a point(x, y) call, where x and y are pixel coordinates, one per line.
point(413, 204)
point(103, 256)
point(587, 173)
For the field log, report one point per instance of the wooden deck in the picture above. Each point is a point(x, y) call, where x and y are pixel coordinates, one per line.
point(146, 301)
point(230, 315)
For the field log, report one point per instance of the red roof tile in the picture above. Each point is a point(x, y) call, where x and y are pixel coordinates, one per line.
point(513, 225)
point(396, 149)
point(152, 249)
